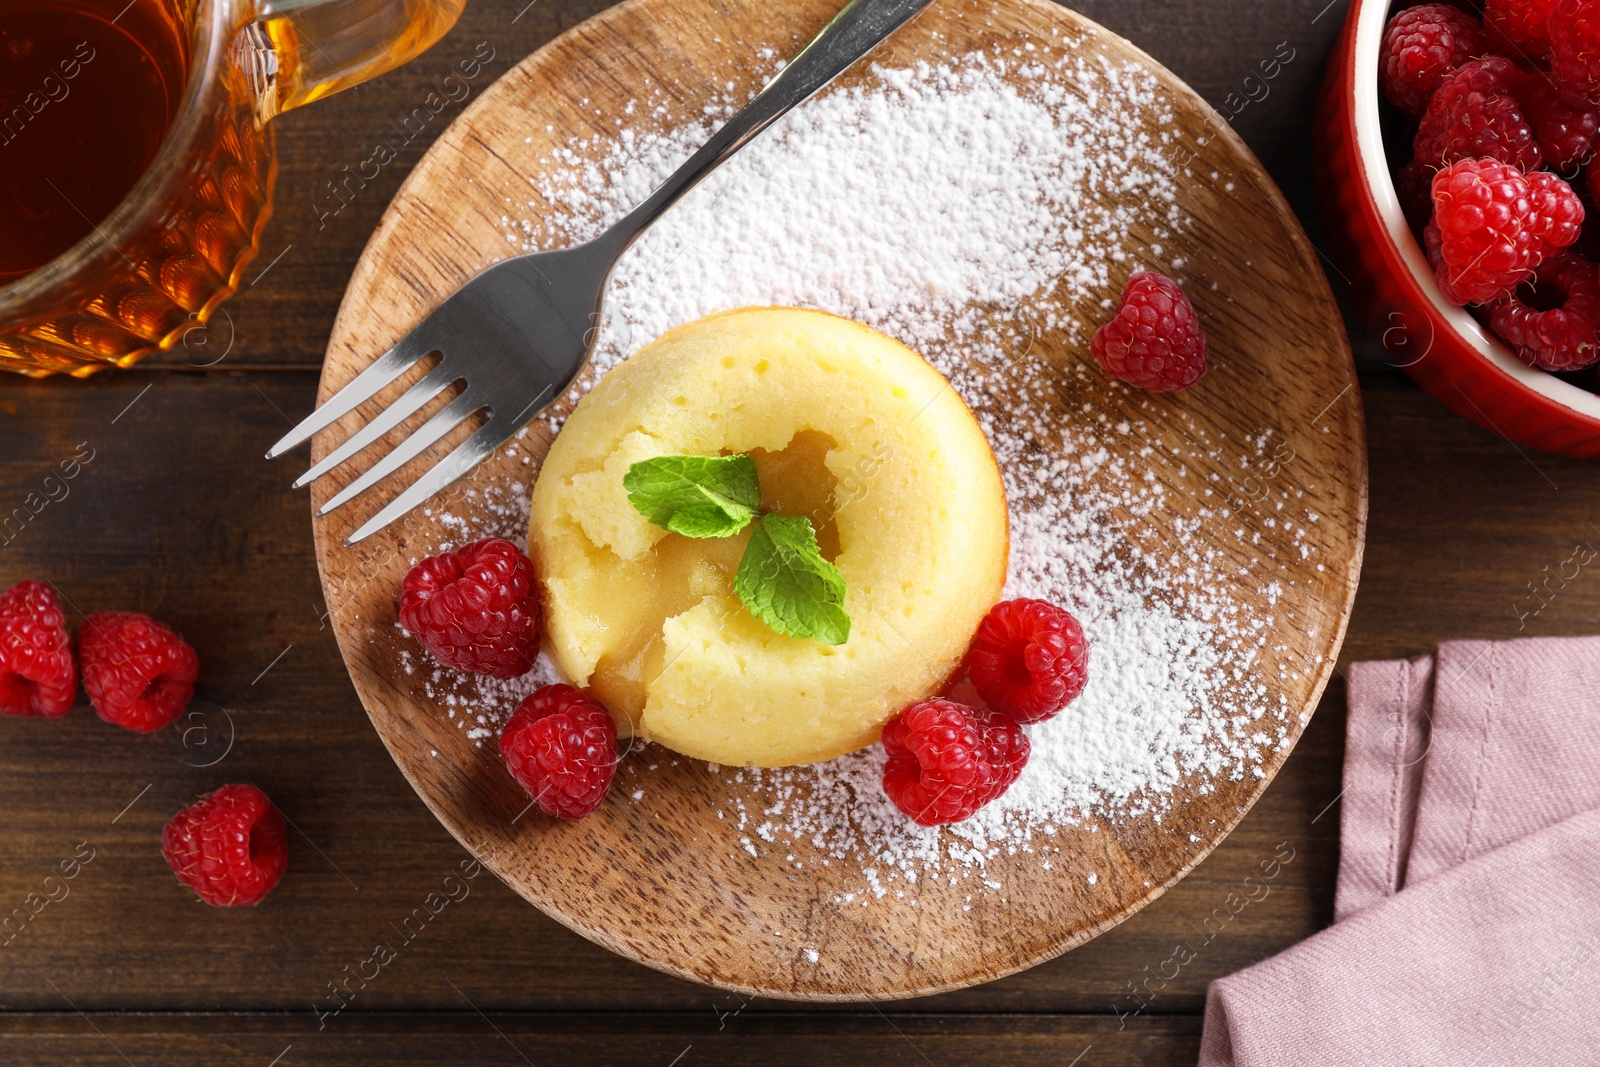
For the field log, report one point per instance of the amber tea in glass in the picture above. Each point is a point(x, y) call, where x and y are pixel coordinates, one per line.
point(136, 155)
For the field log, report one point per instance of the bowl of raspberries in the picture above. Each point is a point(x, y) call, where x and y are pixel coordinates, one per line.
point(1456, 165)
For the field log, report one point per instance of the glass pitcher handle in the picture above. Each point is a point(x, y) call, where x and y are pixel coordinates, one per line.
point(297, 51)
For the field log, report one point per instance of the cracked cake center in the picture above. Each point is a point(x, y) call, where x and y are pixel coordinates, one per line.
point(850, 432)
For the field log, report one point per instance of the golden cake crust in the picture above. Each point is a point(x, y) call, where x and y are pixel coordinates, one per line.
point(848, 427)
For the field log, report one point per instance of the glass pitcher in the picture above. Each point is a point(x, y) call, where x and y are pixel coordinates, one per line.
point(176, 244)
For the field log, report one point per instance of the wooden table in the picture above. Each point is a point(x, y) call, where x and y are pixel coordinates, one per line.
point(176, 514)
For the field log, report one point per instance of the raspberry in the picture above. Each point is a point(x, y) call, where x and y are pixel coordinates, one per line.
point(1557, 210)
point(475, 608)
point(1575, 48)
point(1457, 288)
point(1475, 114)
point(1433, 244)
point(229, 847)
point(1154, 341)
point(1007, 747)
point(1493, 225)
point(1525, 24)
point(947, 760)
point(138, 673)
point(1420, 46)
point(562, 747)
point(37, 675)
point(1563, 337)
point(1028, 660)
point(1565, 131)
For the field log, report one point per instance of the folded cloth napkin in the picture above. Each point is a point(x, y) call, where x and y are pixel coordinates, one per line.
point(1467, 915)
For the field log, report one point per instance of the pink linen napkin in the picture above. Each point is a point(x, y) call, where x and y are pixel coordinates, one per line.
point(1467, 913)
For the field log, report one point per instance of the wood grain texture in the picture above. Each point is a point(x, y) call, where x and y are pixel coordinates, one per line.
point(177, 515)
point(665, 881)
point(1439, 565)
point(518, 1040)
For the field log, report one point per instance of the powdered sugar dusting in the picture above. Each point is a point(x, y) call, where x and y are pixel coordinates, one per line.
point(866, 202)
point(942, 205)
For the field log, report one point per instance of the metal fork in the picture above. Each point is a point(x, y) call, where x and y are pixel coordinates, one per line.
point(520, 332)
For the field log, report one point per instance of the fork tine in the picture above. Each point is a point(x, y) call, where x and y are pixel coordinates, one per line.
point(467, 455)
point(385, 369)
point(436, 381)
point(444, 420)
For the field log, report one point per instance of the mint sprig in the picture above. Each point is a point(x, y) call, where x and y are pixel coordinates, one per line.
point(783, 578)
point(786, 583)
point(696, 496)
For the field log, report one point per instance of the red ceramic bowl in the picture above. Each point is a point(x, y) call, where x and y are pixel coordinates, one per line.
point(1440, 345)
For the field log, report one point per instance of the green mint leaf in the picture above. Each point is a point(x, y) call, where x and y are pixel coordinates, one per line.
point(786, 583)
point(696, 496)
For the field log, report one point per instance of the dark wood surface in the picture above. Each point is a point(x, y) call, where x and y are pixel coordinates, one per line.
point(177, 515)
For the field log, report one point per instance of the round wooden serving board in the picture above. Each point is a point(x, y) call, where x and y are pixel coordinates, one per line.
point(664, 879)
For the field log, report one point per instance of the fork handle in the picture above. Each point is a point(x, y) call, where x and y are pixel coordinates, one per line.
point(851, 34)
